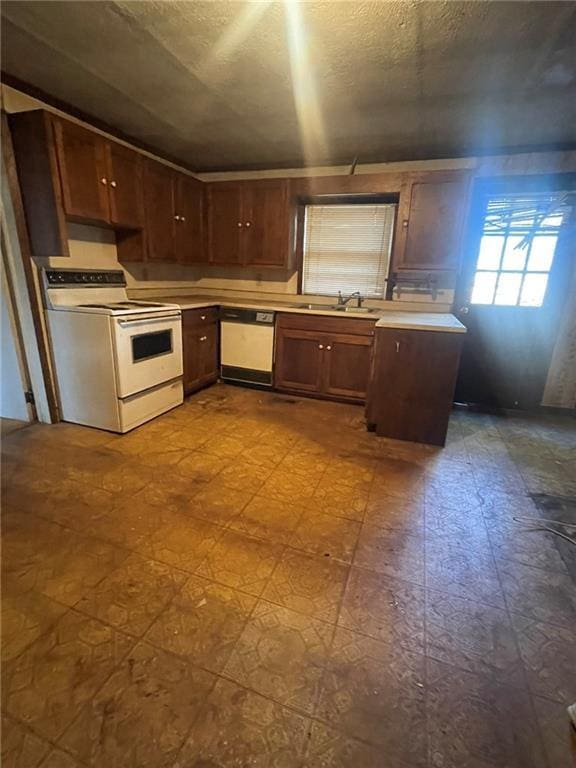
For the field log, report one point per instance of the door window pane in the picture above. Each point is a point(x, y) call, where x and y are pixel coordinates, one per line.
point(542, 253)
point(483, 290)
point(508, 288)
point(514, 255)
point(490, 252)
point(533, 290)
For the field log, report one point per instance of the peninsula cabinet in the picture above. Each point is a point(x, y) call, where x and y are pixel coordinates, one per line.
point(326, 357)
point(412, 384)
point(249, 223)
point(200, 348)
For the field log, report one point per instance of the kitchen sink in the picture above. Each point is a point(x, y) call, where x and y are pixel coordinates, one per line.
point(325, 307)
point(335, 308)
point(340, 308)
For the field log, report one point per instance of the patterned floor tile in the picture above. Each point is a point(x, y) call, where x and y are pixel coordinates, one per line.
point(241, 728)
point(181, 541)
point(281, 654)
point(514, 541)
point(217, 504)
point(390, 511)
point(202, 623)
point(286, 485)
point(390, 551)
point(143, 713)
point(244, 476)
point(476, 721)
point(24, 618)
point(375, 691)
point(332, 749)
point(473, 636)
point(385, 608)
point(268, 519)
point(49, 682)
point(463, 566)
point(558, 734)
point(21, 747)
point(133, 595)
point(549, 655)
point(543, 595)
point(240, 562)
point(326, 535)
point(309, 585)
point(200, 467)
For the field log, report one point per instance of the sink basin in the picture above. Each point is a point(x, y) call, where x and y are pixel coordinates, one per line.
point(325, 307)
point(335, 308)
point(363, 310)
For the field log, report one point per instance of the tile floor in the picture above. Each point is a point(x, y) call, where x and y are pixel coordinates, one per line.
point(256, 581)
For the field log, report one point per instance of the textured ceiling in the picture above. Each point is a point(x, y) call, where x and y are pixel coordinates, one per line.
point(229, 85)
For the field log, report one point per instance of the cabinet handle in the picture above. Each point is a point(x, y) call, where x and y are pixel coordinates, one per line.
point(182, 218)
point(247, 223)
point(177, 217)
point(202, 317)
point(104, 180)
point(320, 346)
point(113, 184)
point(328, 348)
point(203, 338)
point(397, 346)
point(240, 224)
point(405, 223)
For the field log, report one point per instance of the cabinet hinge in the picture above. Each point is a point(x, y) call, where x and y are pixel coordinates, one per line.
point(29, 397)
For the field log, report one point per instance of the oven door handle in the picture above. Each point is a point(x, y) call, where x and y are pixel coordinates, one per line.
point(148, 320)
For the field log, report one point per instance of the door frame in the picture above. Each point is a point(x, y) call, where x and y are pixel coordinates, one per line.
point(22, 275)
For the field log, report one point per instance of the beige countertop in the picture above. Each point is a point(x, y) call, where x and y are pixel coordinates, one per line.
point(387, 318)
point(421, 321)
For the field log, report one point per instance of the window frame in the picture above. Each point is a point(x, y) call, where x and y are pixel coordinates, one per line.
point(358, 199)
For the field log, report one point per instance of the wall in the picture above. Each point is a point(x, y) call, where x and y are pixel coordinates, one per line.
point(12, 384)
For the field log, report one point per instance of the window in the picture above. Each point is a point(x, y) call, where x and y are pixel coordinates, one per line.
point(517, 247)
point(347, 248)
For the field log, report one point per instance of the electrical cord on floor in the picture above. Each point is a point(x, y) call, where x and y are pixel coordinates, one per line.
point(548, 528)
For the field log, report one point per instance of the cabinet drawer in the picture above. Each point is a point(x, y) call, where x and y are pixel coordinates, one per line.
point(196, 318)
point(323, 324)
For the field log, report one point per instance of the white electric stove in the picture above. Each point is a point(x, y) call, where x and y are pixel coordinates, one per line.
point(118, 362)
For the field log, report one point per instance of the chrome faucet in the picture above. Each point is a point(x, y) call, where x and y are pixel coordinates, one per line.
point(343, 301)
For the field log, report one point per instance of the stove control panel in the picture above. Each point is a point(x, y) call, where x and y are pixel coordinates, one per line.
point(83, 278)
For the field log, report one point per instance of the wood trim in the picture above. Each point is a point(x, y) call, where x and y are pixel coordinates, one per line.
point(25, 250)
point(89, 119)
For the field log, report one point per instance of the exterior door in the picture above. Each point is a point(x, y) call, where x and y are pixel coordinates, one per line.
point(83, 172)
point(348, 360)
point(266, 230)
point(189, 210)
point(299, 360)
point(125, 185)
point(512, 288)
point(159, 209)
point(225, 223)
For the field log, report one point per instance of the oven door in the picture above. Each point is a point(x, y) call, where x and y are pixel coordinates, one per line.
point(148, 351)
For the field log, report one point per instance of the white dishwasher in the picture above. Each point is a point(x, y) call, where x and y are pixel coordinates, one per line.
point(246, 345)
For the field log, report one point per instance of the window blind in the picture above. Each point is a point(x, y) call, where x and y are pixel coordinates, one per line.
point(347, 248)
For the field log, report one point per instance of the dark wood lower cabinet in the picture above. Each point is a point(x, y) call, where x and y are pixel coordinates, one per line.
point(315, 356)
point(200, 348)
point(412, 384)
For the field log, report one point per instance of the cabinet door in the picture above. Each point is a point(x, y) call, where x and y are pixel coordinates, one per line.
point(189, 212)
point(200, 356)
point(83, 172)
point(266, 230)
point(159, 210)
point(413, 381)
point(298, 360)
point(434, 224)
point(225, 225)
point(348, 360)
point(125, 185)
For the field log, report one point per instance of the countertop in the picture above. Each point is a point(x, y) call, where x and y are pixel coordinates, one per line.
point(386, 318)
point(421, 321)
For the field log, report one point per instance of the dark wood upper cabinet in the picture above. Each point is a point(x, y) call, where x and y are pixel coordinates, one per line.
point(125, 186)
point(159, 211)
point(189, 219)
point(266, 225)
point(249, 223)
point(83, 172)
point(431, 218)
point(225, 222)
